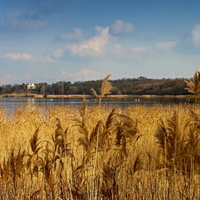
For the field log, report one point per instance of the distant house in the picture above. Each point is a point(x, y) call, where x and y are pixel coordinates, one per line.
point(31, 86)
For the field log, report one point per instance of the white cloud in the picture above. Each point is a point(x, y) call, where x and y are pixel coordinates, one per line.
point(165, 45)
point(20, 56)
point(116, 49)
point(75, 34)
point(95, 46)
point(121, 27)
point(173, 75)
point(141, 54)
point(24, 19)
point(58, 53)
point(139, 49)
point(83, 75)
point(49, 59)
point(196, 35)
point(53, 58)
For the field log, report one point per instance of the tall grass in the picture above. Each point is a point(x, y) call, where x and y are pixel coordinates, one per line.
point(193, 85)
point(106, 87)
point(70, 153)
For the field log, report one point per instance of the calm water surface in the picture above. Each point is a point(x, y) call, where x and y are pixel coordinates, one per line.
point(13, 103)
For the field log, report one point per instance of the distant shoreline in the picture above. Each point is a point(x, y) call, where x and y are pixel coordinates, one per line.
point(30, 95)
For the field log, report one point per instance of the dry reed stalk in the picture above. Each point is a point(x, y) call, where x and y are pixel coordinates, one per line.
point(106, 87)
point(193, 86)
point(108, 173)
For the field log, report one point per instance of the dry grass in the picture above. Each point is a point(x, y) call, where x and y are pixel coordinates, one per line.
point(193, 86)
point(70, 153)
point(106, 87)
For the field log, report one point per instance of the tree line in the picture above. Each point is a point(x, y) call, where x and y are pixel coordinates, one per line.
point(125, 86)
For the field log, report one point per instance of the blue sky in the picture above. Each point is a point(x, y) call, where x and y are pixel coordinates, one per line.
point(78, 40)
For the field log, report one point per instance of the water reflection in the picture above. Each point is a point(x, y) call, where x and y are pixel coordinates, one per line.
point(13, 103)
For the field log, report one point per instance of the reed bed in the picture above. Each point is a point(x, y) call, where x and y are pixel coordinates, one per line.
point(100, 153)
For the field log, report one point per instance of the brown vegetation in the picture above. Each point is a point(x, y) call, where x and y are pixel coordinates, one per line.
point(106, 87)
point(193, 86)
point(69, 153)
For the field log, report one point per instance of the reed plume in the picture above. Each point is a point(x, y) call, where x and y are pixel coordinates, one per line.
point(193, 86)
point(106, 87)
point(171, 140)
point(33, 161)
point(180, 145)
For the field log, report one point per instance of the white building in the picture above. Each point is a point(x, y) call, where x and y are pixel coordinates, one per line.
point(31, 86)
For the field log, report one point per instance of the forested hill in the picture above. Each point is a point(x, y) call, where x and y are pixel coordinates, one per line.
point(134, 86)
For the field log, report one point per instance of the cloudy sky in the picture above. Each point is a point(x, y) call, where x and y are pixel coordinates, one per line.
point(78, 40)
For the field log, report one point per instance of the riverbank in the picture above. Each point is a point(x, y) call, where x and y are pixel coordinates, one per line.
point(31, 95)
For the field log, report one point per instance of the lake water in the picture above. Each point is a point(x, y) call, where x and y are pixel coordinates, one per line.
point(13, 103)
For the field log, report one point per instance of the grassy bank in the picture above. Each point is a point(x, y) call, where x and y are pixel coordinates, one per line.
point(101, 153)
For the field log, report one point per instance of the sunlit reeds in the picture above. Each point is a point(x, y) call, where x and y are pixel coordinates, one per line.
point(106, 87)
point(193, 86)
point(71, 153)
